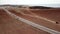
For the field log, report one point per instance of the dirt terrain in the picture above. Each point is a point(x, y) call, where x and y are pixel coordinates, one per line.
point(52, 14)
point(31, 17)
point(10, 25)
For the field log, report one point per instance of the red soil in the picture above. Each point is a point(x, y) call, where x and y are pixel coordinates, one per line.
point(50, 14)
point(9, 25)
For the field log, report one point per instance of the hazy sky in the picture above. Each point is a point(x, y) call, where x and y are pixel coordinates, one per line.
point(30, 2)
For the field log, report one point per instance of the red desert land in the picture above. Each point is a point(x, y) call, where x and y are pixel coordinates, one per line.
point(49, 18)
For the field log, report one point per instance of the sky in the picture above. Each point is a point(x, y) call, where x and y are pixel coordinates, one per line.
point(31, 2)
